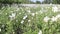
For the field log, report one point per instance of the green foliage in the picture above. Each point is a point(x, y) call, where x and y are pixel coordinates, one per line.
point(33, 22)
point(14, 1)
point(38, 2)
point(56, 1)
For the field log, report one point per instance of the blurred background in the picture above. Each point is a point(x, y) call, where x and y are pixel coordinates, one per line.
point(31, 1)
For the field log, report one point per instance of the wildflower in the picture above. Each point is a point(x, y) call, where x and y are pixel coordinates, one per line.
point(32, 18)
point(58, 16)
point(28, 11)
point(40, 32)
point(55, 9)
point(13, 32)
point(16, 20)
point(46, 19)
point(53, 19)
point(29, 20)
point(19, 13)
point(22, 21)
point(25, 17)
point(50, 3)
point(12, 16)
point(0, 29)
point(41, 11)
point(6, 13)
point(36, 12)
point(3, 25)
point(17, 9)
point(33, 14)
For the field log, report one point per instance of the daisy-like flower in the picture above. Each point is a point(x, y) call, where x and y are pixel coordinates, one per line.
point(25, 17)
point(0, 29)
point(55, 9)
point(13, 32)
point(46, 19)
point(58, 16)
point(33, 14)
point(3, 25)
point(19, 13)
point(17, 9)
point(29, 20)
point(36, 13)
point(12, 16)
point(50, 3)
point(22, 21)
point(41, 11)
point(40, 32)
point(28, 11)
point(16, 20)
point(53, 19)
point(6, 13)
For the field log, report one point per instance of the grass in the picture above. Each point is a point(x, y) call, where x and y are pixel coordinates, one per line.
point(32, 24)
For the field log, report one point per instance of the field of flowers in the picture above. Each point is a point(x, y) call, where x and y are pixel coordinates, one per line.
point(29, 20)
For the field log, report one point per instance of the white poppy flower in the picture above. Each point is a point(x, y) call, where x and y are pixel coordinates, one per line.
point(40, 32)
point(46, 19)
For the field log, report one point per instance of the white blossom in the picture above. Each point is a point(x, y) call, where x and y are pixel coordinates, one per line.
point(19, 13)
point(41, 11)
point(17, 9)
point(13, 32)
point(6, 13)
point(36, 12)
point(46, 19)
point(55, 9)
point(50, 3)
point(28, 11)
point(58, 16)
point(22, 21)
point(16, 20)
point(33, 14)
point(40, 32)
point(32, 18)
point(3, 25)
point(12, 16)
point(0, 29)
point(29, 20)
point(53, 19)
point(25, 17)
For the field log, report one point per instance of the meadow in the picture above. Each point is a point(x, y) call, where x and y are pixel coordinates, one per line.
point(29, 20)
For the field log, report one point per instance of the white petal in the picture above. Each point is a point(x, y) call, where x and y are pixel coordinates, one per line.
point(40, 32)
point(46, 19)
point(22, 22)
point(0, 30)
point(25, 17)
